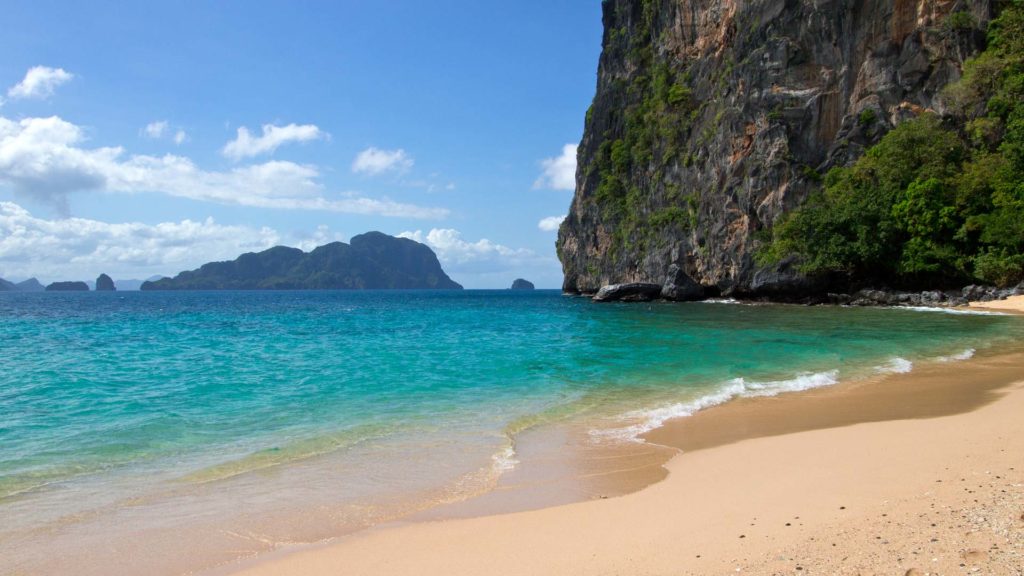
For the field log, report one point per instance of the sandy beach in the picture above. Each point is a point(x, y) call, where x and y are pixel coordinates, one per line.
point(1013, 304)
point(919, 473)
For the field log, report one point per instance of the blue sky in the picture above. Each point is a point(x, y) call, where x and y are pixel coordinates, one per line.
point(146, 138)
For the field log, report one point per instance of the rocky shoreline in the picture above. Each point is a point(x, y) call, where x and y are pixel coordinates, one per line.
point(647, 292)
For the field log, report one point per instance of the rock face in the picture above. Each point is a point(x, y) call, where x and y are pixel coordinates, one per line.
point(520, 284)
point(372, 261)
point(714, 117)
point(104, 284)
point(68, 287)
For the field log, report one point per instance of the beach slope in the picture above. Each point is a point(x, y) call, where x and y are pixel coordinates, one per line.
point(933, 492)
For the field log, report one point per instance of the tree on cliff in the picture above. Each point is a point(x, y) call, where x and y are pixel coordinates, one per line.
point(937, 200)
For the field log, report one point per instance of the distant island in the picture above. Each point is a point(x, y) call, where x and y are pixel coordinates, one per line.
point(104, 284)
point(521, 284)
point(371, 261)
point(30, 285)
point(68, 287)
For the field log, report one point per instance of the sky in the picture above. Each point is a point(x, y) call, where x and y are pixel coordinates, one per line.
point(149, 138)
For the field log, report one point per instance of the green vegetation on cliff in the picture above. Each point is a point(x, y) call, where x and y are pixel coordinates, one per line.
point(658, 113)
point(937, 200)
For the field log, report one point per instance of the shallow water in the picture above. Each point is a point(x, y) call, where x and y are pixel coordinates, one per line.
point(236, 421)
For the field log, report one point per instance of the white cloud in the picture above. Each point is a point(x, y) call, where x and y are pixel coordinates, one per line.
point(155, 130)
point(374, 161)
point(322, 235)
point(40, 83)
point(80, 249)
point(245, 145)
point(451, 248)
point(42, 158)
point(483, 263)
point(559, 173)
point(551, 223)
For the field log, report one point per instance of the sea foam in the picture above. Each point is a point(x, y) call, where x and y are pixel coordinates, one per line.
point(959, 356)
point(959, 311)
point(895, 366)
point(649, 419)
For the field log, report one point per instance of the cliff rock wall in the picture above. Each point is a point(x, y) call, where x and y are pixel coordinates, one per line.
point(714, 117)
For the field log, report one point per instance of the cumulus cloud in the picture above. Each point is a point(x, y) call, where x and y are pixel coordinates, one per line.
point(246, 145)
point(323, 234)
point(559, 173)
point(80, 248)
point(180, 137)
point(374, 161)
point(450, 246)
point(40, 82)
point(483, 263)
point(42, 158)
point(551, 223)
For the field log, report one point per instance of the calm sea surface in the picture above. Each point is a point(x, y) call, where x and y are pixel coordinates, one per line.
point(208, 419)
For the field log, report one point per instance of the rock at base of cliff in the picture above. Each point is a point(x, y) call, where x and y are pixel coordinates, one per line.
point(632, 292)
point(521, 284)
point(104, 284)
point(68, 287)
point(680, 287)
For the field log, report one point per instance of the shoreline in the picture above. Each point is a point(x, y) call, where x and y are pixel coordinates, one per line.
point(719, 438)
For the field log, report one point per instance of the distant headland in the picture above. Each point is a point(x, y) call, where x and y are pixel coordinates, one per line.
point(372, 261)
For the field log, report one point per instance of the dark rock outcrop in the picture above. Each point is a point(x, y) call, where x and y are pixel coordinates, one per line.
point(932, 298)
point(521, 284)
point(104, 284)
point(680, 287)
point(68, 287)
point(632, 292)
point(372, 261)
point(712, 118)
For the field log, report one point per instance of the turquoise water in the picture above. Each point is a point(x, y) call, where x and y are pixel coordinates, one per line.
point(112, 399)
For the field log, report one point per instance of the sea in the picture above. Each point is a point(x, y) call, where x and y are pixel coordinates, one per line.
point(138, 425)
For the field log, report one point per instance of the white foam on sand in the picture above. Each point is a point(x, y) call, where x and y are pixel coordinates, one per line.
point(961, 311)
point(965, 355)
point(504, 460)
point(649, 419)
point(719, 301)
point(895, 366)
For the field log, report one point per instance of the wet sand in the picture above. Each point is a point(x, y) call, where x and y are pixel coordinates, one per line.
point(918, 473)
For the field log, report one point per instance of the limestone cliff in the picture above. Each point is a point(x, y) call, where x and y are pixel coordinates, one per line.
point(714, 117)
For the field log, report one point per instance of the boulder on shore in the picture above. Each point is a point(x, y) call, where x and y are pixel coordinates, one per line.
point(680, 287)
point(632, 292)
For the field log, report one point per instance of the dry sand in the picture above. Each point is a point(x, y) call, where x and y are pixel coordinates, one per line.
point(1011, 304)
point(767, 486)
